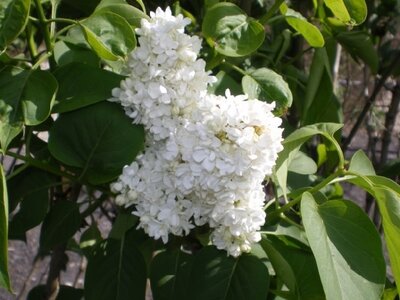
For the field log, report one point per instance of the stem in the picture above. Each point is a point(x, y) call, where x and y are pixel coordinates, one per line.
point(389, 123)
point(264, 19)
point(369, 103)
point(31, 42)
point(61, 20)
point(233, 67)
point(41, 165)
point(314, 189)
point(45, 30)
point(94, 206)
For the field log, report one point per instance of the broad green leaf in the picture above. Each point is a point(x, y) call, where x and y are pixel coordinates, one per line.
point(224, 82)
point(130, 13)
point(266, 85)
point(347, 248)
point(60, 224)
point(296, 264)
point(30, 188)
point(231, 31)
point(169, 276)
point(65, 53)
point(361, 164)
point(359, 45)
point(351, 12)
point(309, 31)
point(320, 103)
point(216, 276)
point(292, 144)
point(66, 292)
point(282, 268)
point(81, 85)
point(109, 35)
point(26, 97)
point(13, 18)
point(302, 164)
point(116, 270)
point(4, 277)
point(123, 223)
point(99, 139)
point(387, 194)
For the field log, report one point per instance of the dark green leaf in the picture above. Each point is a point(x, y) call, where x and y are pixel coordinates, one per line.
point(26, 98)
point(130, 13)
point(81, 85)
point(4, 277)
point(231, 31)
point(224, 82)
point(309, 31)
point(347, 248)
point(13, 18)
point(99, 139)
point(387, 194)
point(359, 45)
point(65, 293)
point(122, 224)
point(296, 267)
point(116, 270)
point(109, 35)
point(60, 224)
point(30, 188)
point(266, 85)
point(216, 276)
point(65, 53)
point(169, 277)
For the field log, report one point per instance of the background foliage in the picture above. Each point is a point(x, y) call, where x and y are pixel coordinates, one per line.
point(62, 144)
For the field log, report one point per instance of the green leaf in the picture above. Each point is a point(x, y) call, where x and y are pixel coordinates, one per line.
point(224, 82)
point(4, 277)
point(99, 139)
point(116, 270)
point(13, 18)
point(302, 164)
point(169, 277)
point(26, 98)
point(361, 164)
point(30, 188)
point(65, 53)
point(296, 267)
point(231, 31)
point(347, 248)
point(292, 144)
point(359, 45)
point(122, 224)
point(351, 12)
point(130, 13)
point(387, 194)
point(60, 224)
point(266, 85)
point(216, 276)
point(109, 35)
point(81, 85)
point(66, 292)
point(309, 31)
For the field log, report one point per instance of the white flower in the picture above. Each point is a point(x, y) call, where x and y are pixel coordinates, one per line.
point(206, 156)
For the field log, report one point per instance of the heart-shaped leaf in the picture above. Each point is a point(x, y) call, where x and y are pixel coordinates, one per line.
point(98, 139)
point(231, 31)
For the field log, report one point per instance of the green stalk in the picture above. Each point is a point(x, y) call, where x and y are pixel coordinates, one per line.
point(45, 30)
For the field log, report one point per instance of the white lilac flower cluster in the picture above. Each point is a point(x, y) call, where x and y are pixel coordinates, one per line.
point(205, 156)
